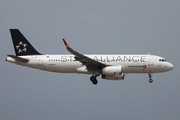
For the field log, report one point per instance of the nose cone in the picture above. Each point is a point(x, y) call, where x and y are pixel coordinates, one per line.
point(170, 66)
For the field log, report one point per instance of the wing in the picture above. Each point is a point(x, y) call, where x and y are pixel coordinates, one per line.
point(88, 62)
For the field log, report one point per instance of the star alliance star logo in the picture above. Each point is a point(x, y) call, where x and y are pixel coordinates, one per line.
point(21, 47)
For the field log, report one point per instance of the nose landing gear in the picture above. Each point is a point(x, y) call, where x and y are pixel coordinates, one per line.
point(150, 80)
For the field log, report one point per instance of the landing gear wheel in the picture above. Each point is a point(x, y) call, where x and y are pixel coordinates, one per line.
point(93, 80)
point(150, 80)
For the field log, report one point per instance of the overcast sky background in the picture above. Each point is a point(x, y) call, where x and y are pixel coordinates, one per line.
point(95, 26)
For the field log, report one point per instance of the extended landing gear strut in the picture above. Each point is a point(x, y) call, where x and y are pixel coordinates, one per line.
point(150, 80)
point(93, 79)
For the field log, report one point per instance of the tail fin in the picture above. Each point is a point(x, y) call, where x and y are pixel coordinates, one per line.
point(21, 44)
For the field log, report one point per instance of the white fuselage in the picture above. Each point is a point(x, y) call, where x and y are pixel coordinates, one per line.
point(110, 67)
point(68, 64)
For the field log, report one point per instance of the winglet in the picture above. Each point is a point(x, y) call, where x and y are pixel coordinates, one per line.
point(66, 44)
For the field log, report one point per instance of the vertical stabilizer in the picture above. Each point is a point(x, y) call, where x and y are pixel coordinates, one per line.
point(21, 44)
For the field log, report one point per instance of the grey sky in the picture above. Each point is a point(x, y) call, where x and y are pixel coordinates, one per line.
point(96, 26)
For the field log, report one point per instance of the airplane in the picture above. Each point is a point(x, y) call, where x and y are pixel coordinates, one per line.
point(109, 66)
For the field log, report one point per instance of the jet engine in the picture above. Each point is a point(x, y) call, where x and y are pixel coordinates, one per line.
point(113, 73)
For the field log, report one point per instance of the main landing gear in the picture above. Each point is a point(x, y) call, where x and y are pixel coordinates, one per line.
point(150, 80)
point(93, 79)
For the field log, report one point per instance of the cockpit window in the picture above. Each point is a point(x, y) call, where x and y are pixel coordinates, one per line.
point(162, 60)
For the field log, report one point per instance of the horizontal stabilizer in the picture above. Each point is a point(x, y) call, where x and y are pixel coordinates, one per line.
point(18, 58)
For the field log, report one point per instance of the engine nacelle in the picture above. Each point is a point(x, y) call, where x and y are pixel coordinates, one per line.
point(112, 70)
point(111, 77)
point(113, 73)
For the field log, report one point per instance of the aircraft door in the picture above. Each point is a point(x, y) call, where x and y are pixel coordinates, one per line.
point(40, 62)
point(150, 60)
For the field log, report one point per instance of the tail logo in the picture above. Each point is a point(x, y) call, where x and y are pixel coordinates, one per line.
point(21, 47)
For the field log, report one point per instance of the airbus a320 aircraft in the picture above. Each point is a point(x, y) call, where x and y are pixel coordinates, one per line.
point(110, 67)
